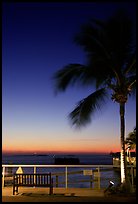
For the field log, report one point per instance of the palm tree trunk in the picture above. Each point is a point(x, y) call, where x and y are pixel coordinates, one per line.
point(123, 156)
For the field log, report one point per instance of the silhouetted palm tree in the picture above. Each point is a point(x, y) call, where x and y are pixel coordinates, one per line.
point(110, 67)
point(131, 140)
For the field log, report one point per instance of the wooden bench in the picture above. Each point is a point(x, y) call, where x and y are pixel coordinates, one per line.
point(31, 180)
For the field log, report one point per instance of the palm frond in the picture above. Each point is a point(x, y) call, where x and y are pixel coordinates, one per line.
point(130, 67)
point(131, 84)
point(109, 41)
point(68, 75)
point(119, 32)
point(92, 39)
point(76, 73)
point(86, 108)
point(131, 139)
point(101, 68)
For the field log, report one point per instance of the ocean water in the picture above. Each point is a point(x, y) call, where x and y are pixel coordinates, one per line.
point(49, 158)
point(76, 177)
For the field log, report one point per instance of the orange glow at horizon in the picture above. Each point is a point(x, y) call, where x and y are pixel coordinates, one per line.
point(54, 145)
point(65, 149)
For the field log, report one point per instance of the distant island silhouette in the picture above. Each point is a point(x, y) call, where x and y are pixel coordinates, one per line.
point(67, 160)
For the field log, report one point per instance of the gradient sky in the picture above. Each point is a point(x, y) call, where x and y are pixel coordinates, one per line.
point(37, 40)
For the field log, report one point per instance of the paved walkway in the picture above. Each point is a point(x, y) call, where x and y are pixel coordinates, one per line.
point(61, 195)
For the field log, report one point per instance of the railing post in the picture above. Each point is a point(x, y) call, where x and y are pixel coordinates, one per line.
point(99, 178)
point(34, 169)
point(56, 180)
point(3, 178)
point(66, 177)
point(34, 175)
point(91, 181)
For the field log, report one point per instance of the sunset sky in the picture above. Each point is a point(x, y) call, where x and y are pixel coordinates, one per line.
point(37, 40)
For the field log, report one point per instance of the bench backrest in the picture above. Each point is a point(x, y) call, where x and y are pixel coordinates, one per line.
point(32, 179)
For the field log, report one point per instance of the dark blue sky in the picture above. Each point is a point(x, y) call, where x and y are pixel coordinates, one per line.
point(37, 40)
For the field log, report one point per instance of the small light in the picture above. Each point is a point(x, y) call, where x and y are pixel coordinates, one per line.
point(112, 182)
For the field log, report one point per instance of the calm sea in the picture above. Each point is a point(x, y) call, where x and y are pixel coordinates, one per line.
point(49, 159)
point(92, 159)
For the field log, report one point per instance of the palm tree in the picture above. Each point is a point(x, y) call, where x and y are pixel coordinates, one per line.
point(131, 140)
point(110, 67)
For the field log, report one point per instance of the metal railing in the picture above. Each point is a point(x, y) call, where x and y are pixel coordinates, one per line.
point(94, 172)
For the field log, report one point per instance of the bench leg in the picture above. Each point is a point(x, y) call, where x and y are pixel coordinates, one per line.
point(15, 189)
point(51, 190)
